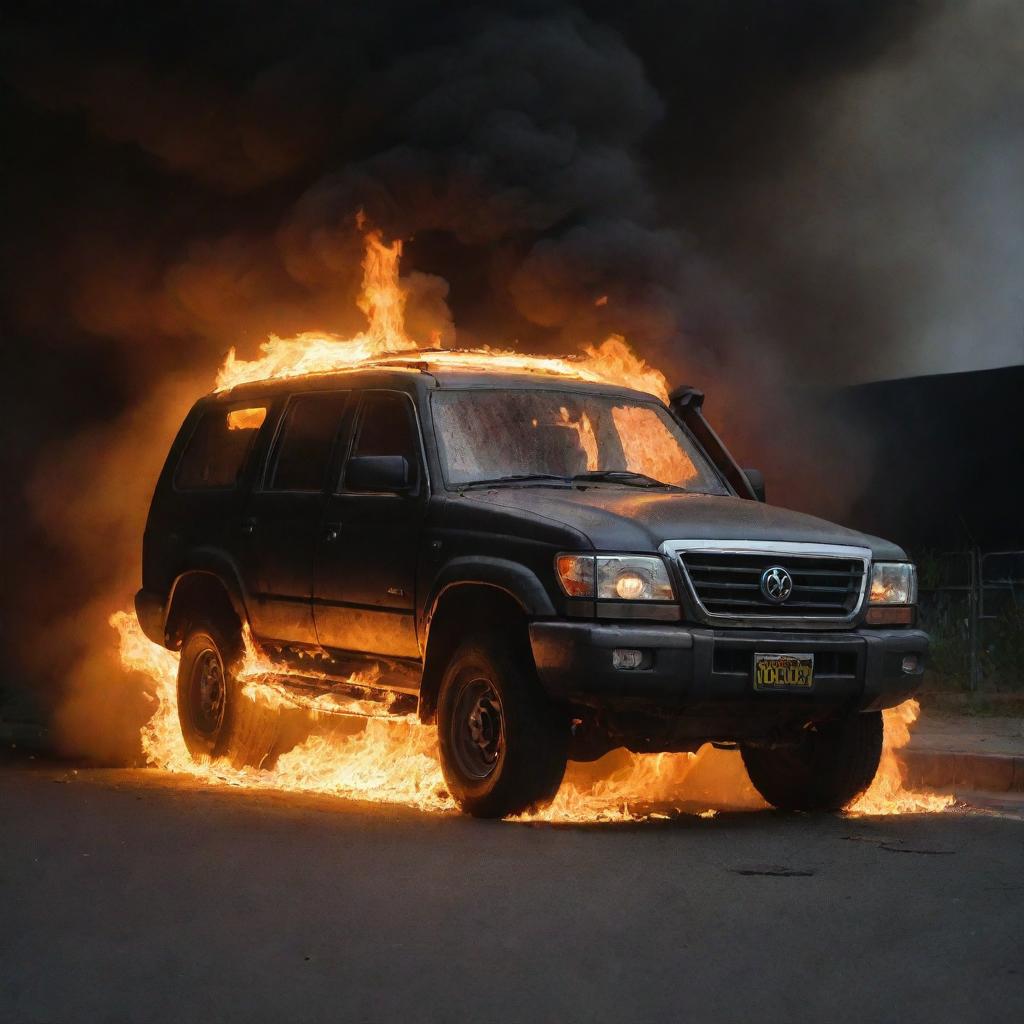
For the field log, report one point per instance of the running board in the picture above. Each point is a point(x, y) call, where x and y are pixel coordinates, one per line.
point(332, 695)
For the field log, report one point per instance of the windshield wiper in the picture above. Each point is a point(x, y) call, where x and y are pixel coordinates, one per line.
point(619, 476)
point(519, 478)
point(611, 476)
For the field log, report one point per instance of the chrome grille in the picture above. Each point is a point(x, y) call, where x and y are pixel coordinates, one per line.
point(828, 582)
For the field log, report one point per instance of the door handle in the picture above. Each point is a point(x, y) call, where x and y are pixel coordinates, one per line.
point(248, 525)
point(332, 531)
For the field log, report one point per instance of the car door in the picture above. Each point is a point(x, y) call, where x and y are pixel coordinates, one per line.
point(365, 567)
point(283, 517)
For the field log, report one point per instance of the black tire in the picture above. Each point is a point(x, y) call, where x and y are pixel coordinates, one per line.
point(216, 720)
point(829, 768)
point(503, 743)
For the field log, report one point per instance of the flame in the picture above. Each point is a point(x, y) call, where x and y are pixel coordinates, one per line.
point(247, 419)
point(383, 301)
point(611, 362)
point(387, 760)
point(886, 794)
point(584, 430)
point(393, 759)
point(648, 446)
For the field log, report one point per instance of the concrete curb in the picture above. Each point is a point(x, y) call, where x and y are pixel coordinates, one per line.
point(944, 769)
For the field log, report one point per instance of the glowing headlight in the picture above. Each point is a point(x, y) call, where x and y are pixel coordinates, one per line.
point(893, 583)
point(614, 577)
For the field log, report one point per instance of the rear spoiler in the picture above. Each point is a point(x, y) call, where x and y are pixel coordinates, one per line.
point(686, 403)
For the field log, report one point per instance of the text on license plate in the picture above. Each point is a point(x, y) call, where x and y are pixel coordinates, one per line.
point(783, 671)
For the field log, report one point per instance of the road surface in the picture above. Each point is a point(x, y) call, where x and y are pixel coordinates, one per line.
point(135, 896)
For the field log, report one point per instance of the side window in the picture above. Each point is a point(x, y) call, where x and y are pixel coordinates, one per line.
point(219, 446)
point(386, 427)
point(304, 446)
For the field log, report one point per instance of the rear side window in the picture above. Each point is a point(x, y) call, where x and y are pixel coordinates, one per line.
point(304, 447)
point(219, 446)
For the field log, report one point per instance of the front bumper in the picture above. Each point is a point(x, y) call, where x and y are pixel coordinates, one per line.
point(703, 670)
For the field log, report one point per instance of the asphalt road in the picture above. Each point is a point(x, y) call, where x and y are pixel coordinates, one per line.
point(131, 896)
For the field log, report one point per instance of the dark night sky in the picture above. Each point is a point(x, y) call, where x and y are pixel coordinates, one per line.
point(799, 194)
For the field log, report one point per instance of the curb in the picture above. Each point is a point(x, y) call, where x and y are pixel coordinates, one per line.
point(937, 769)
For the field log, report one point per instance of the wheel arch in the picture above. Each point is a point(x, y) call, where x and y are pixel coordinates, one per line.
point(210, 592)
point(461, 608)
point(513, 578)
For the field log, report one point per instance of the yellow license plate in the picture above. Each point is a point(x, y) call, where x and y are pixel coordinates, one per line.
point(783, 671)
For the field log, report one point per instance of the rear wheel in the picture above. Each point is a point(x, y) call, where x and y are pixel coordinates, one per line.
point(503, 744)
point(216, 720)
point(827, 769)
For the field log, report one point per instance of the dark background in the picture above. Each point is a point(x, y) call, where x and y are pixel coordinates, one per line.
point(948, 455)
point(782, 202)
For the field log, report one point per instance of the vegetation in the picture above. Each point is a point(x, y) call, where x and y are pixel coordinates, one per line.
point(948, 607)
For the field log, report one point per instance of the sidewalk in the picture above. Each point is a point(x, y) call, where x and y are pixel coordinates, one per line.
point(975, 752)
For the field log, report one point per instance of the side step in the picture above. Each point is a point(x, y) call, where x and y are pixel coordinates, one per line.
point(337, 682)
point(334, 695)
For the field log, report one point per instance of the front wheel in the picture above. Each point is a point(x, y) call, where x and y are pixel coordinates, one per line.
point(828, 768)
point(503, 744)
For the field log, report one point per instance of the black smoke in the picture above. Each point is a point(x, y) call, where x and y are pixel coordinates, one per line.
point(768, 195)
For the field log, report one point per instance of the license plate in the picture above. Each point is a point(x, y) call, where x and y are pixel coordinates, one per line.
point(783, 671)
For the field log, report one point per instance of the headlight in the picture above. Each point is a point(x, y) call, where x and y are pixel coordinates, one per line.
point(893, 583)
point(614, 577)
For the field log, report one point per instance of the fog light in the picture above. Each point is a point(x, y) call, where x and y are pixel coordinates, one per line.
point(625, 657)
point(910, 664)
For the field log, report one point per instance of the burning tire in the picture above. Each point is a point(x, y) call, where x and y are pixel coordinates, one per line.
point(829, 768)
point(216, 720)
point(503, 744)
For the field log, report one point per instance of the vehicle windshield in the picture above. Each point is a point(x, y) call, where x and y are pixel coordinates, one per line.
point(510, 436)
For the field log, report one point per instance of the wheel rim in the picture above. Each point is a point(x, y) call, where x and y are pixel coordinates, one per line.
point(207, 693)
point(478, 729)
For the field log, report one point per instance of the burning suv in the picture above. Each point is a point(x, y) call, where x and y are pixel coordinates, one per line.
point(544, 567)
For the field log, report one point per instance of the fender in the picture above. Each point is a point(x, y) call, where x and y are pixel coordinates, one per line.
point(218, 564)
point(520, 583)
point(510, 578)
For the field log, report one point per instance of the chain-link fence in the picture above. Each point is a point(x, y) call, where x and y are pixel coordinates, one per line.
point(972, 603)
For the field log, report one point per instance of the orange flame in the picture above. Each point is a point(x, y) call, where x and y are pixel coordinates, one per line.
point(886, 794)
point(383, 301)
point(246, 419)
point(394, 759)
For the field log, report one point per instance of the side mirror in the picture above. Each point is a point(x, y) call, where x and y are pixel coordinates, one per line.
point(377, 473)
point(756, 480)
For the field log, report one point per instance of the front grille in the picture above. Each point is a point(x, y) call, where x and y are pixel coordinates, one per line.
point(728, 584)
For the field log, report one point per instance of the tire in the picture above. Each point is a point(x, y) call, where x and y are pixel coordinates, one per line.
point(503, 744)
point(216, 720)
point(832, 765)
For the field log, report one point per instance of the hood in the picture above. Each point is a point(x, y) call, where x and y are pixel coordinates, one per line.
point(631, 519)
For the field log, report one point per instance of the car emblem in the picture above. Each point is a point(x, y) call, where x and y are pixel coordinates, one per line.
point(776, 584)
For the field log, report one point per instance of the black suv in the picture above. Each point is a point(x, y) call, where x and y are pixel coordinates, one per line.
point(546, 568)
